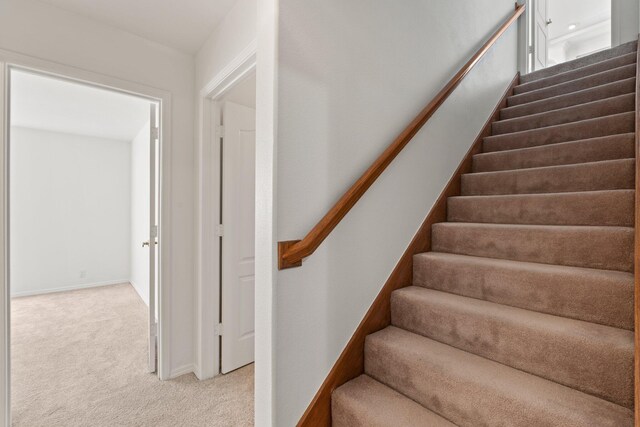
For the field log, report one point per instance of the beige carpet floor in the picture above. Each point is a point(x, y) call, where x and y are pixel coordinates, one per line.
point(78, 359)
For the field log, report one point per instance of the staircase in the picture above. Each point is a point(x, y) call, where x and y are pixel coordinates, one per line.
point(522, 314)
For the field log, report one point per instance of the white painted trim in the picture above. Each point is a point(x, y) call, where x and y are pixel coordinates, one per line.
point(615, 23)
point(207, 296)
point(5, 312)
point(523, 38)
point(134, 285)
point(266, 225)
point(71, 288)
point(13, 59)
point(181, 370)
point(621, 15)
point(235, 71)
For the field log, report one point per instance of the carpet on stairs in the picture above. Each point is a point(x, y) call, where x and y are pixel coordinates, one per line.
point(522, 313)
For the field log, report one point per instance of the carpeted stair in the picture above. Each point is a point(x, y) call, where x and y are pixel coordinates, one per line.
point(522, 314)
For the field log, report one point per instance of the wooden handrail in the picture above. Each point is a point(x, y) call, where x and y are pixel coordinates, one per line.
point(291, 253)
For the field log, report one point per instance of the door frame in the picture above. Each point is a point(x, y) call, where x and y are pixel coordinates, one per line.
point(207, 298)
point(12, 60)
point(525, 34)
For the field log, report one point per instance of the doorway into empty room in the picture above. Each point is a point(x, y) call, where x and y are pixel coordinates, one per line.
point(83, 222)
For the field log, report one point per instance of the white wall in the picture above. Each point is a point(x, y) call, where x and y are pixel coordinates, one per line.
point(140, 203)
point(625, 15)
point(350, 76)
point(43, 31)
point(70, 211)
point(235, 32)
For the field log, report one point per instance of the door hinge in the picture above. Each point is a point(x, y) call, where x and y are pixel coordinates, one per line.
point(530, 49)
point(220, 230)
point(154, 231)
point(220, 131)
point(218, 329)
point(155, 133)
point(154, 330)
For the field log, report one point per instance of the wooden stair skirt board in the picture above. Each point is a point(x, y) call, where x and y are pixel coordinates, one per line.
point(517, 301)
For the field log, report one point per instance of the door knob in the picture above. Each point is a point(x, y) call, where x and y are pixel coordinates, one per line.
point(147, 243)
point(549, 21)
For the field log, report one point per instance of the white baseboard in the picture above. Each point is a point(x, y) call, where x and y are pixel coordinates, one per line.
point(68, 288)
point(198, 372)
point(181, 370)
point(137, 289)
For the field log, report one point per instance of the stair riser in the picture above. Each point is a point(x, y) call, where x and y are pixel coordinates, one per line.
point(569, 352)
point(606, 107)
point(620, 73)
point(364, 402)
point(471, 391)
point(576, 98)
point(609, 175)
point(614, 208)
point(592, 128)
point(602, 297)
point(589, 150)
point(607, 248)
point(581, 62)
point(598, 67)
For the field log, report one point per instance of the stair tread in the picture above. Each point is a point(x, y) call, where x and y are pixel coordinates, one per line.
point(604, 207)
point(610, 147)
point(532, 227)
point(589, 110)
point(572, 74)
point(602, 247)
point(532, 266)
point(597, 296)
point(538, 195)
point(589, 128)
point(364, 402)
point(556, 167)
point(601, 91)
point(614, 74)
point(586, 356)
point(471, 390)
point(618, 174)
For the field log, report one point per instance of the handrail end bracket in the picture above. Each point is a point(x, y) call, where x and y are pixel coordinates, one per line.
point(282, 249)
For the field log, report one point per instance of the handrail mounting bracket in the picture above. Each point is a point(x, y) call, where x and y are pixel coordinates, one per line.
point(282, 248)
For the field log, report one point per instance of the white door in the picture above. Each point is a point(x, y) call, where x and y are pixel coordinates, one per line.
point(238, 219)
point(541, 23)
point(152, 243)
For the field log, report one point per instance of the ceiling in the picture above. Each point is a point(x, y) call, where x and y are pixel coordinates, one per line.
point(47, 103)
point(181, 24)
point(582, 13)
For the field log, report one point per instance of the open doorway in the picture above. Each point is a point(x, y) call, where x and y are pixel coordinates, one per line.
point(236, 117)
point(83, 243)
point(225, 315)
point(564, 30)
